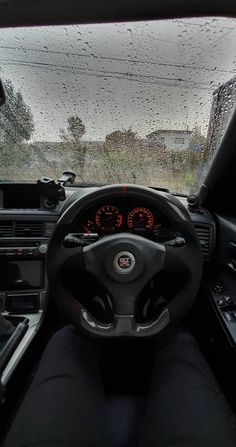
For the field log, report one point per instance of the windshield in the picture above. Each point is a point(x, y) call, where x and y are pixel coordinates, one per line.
point(143, 103)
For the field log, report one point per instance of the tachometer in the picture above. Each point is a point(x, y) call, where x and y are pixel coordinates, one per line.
point(140, 219)
point(108, 218)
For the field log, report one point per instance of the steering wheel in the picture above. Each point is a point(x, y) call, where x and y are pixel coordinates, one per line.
point(124, 264)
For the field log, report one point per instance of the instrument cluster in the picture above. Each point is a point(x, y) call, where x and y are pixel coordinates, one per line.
point(136, 218)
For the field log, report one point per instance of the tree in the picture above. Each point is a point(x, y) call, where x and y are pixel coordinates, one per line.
point(198, 141)
point(72, 137)
point(122, 156)
point(75, 130)
point(16, 127)
point(121, 138)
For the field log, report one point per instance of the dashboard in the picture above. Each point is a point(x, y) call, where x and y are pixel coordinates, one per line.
point(26, 226)
point(135, 217)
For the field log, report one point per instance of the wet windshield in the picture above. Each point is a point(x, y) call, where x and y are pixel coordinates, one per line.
point(143, 102)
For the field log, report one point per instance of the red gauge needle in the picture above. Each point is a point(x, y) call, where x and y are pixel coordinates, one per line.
point(109, 218)
point(140, 220)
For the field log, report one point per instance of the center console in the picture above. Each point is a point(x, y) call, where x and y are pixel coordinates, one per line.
point(23, 281)
point(25, 228)
point(22, 261)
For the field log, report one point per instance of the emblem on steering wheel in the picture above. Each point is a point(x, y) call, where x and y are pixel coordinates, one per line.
point(124, 262)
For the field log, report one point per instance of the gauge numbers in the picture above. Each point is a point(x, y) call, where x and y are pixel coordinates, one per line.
point(108, 218)
point(140, 219)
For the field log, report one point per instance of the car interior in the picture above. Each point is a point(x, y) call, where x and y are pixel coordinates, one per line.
point(117, 235)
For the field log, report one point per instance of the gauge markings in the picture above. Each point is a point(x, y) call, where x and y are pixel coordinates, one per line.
point(89, 227)
point(140, 218)
point(108, 218)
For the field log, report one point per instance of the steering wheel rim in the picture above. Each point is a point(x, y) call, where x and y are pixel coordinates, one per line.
point(98, 259)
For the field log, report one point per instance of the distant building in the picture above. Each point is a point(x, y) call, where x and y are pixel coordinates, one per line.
point(171, 139)
point(224, 100)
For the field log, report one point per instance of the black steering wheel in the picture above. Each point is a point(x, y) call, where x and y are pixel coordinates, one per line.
point(124, 264)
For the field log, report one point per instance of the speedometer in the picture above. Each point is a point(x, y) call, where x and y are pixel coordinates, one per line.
point(108, 218)
point(140, 219)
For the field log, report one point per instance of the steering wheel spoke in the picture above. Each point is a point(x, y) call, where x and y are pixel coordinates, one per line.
point(123, 325)
point(177, 259)
point(69, 258)
point(124, 264)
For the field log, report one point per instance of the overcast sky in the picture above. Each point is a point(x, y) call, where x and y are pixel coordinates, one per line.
point(147, 75)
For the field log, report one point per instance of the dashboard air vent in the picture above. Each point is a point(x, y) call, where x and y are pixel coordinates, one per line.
point(29, 229)
point(205, 236)
point(6, 229)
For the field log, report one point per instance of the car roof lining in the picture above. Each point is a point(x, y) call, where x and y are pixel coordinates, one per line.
point(52, 12)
